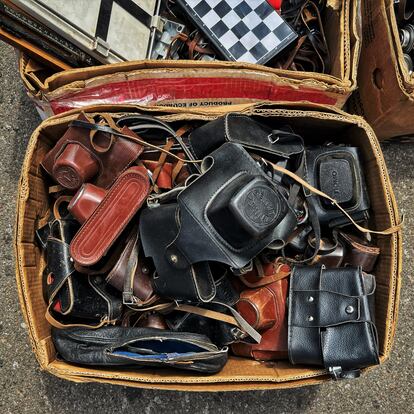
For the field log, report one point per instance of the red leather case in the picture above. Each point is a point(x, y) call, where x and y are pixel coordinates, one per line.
point(85, 201)
point(66, 164)
point(110, 218)
point(265, 309)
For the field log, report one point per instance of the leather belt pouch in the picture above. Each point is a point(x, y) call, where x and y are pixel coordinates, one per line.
point(220, 333)
point(139, 347)
point(265, 309)
point(72, 295)
point(337, 171)
point(331, 319)
point(111, 216)
point(252, 135)
point(74, 161)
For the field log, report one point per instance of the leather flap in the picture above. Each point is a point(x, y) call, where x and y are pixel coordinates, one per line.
point(210, 230)
point(322, 309)
point(242, 129)
point(175, 277)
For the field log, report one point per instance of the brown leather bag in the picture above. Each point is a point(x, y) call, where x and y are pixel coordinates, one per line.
point(264, 308)
point(358, 252)
point(82, 156)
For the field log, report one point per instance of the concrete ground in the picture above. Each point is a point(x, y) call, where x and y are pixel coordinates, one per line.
point(24, 389)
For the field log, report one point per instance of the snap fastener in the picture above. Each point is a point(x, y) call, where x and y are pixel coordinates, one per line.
point(310, 318)
point(174, 258)
point(311, 299)
point(349, 309)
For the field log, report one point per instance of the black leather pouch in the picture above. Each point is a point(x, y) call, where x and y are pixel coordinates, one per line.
point(331, 319)
point(74, 297)
point(139, 347)
point(275, 144)
point(229, 214)
point(337, 171)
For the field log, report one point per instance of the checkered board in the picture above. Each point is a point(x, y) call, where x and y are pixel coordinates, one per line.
point(242, 30)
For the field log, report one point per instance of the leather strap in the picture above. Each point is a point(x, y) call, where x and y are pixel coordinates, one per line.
point(54, 322)
point(236, 319)
point(405, 13)
point(107, 129)
point(58, 202)
point(390, 230)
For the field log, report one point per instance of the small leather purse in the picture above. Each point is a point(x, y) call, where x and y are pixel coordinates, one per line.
point(331, 319)
point(139, 347)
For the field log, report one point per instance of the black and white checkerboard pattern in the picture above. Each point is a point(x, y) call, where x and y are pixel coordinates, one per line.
point(244, 30)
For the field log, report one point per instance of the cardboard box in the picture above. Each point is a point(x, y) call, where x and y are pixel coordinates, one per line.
point(385, 95)
point(198, 83)
point(316, 125)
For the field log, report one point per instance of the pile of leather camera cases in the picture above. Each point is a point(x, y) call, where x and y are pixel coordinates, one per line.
point(177, 244)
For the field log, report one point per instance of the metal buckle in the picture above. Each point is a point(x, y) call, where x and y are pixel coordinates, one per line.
point(336, 373)
point(128, 298)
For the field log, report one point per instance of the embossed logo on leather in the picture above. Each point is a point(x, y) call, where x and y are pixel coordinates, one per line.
point(261, 206)
point(68, 177)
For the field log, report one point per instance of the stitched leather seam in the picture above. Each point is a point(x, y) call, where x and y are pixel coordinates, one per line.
point(75, 248)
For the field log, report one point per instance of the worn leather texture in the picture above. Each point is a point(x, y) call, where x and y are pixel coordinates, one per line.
point(110, 163)
point(359, 252)
point(264, 273)
point(330, 253)
point(231, 212)
point(265, 309)
point(252, 135)
point(331, 318)
point(337, 171)
point(110, 218)
point(131, 273)
point(74, 296)
point(139, 347)
point(158, 229)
